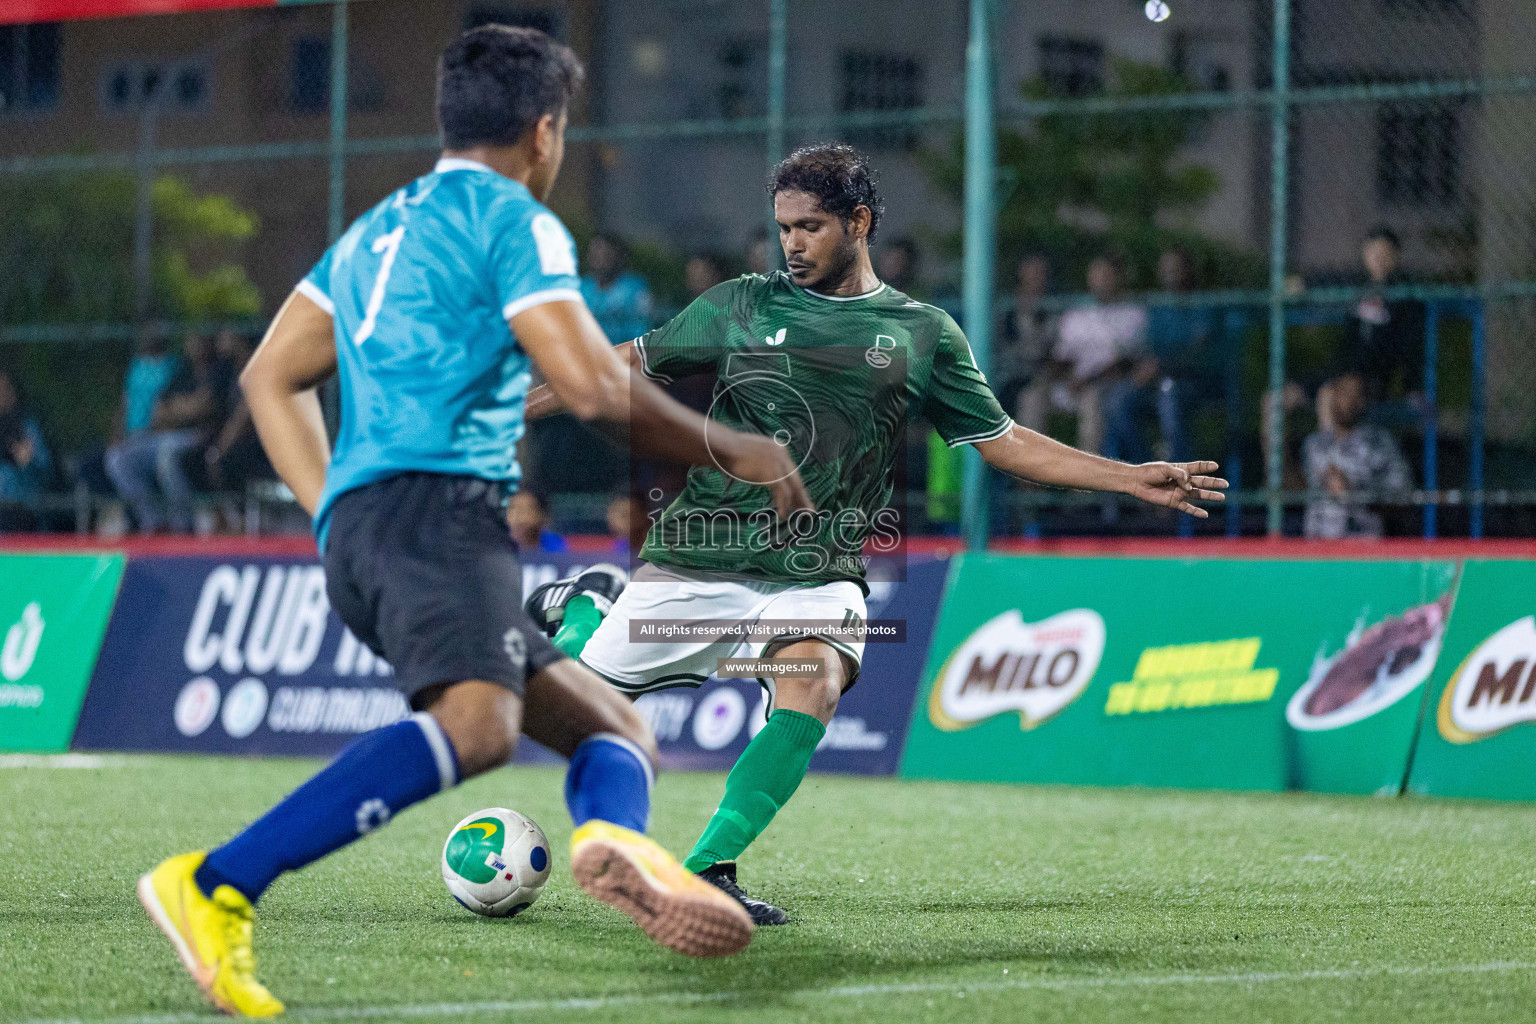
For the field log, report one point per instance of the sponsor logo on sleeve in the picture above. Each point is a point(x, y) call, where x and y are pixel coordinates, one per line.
point(1008, 665)
point(1495, 688)
point(1203, 675)
point(1376, 668)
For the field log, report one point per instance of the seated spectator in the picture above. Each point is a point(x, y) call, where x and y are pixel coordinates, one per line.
point(1347, 455)
point(1385, 340)
point(618, 297)
point(528, 519)
point(1095, 344)
point(235, 455)
point(1027, 334)
point(1178, 365)
point(149, 371)
point(896, 264)
point(701, 274)
point(26, 464)
point(192, 407)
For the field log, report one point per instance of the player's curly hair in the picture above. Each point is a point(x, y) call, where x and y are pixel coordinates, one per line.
point(837, 175)
point(495, 82)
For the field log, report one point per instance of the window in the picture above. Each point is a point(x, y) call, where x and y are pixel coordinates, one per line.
point(309, 75)
point(1417, 162)
point(309, 79)
point(881, 81)
point(1072, 67)
point(130, 86)
point(29, 67)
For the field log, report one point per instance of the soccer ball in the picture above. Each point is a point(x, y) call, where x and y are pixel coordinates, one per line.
point(496, 862)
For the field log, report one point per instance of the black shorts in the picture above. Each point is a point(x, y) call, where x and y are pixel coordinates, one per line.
point(422, 569)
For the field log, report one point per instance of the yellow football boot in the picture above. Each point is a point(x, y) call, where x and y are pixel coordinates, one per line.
point(671, 904)
point(212, 936)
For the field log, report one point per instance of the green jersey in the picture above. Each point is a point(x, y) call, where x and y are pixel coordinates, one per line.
point(832, 378)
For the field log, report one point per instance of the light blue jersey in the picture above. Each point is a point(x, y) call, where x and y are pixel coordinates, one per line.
point(421, 288)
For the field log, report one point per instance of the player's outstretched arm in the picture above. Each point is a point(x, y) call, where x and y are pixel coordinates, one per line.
point(587, 378)
point(1033, 456)
point(298, 353)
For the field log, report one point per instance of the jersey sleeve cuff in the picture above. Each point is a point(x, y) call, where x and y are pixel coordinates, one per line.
point(645, 363)
point(312, 292)
point(532, 299)
point(986, 435)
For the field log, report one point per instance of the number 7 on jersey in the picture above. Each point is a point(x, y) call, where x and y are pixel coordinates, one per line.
point(389, 245)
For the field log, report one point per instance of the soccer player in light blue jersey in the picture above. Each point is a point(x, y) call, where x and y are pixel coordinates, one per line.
point(412, 309)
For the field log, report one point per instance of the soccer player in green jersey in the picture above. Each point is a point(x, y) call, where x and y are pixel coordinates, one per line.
point(829, 361)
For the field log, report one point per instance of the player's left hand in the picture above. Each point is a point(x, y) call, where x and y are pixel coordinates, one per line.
point(1177, 485)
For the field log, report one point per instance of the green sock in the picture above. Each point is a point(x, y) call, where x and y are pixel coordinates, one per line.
point(581, 620)
point(764, 779)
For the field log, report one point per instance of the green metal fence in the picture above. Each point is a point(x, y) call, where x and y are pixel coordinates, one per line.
point(1428, 63)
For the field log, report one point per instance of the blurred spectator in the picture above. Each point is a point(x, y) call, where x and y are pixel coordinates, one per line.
point(235, 455)
point(618, 297)
point(26, 465)
point(1095, 343)
point(701, 274)
point(528, 519)
point(1028, 332)
point(761, 257)
point(627, 523)
point(191, 408)
point(1346, 455)
point(1385, 340)
point(149, 371)
point(1178, 365)
point(896, 263)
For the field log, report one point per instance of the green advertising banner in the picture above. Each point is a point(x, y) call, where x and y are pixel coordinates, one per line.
point(1479, 733)
point(53, 612)
point(1202, 674)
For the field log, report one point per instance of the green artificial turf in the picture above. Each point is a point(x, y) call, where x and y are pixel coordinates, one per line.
point(917, 902)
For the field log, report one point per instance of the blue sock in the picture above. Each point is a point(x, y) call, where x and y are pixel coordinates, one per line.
point(377, 776)
point(610, 779)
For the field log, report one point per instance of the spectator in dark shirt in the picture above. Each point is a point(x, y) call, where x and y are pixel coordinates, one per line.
point(1028, 333)
point(528, 519)
point(26, 464)
point(234, 456)
point(761, 257)
point(1385, 339)
point(1179, 363)
point(896, 264)
point(186, 417)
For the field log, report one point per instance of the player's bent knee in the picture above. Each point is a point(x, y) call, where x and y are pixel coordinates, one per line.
point(481, 720)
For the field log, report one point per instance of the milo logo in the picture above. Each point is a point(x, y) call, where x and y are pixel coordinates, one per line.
point(1494, 688)
point(1009, 665)
point(474, 850)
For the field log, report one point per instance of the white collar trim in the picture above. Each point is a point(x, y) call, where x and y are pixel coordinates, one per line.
point(458, 163)
point(847, 298)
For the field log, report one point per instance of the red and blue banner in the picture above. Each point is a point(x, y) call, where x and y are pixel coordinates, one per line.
point(15, 12)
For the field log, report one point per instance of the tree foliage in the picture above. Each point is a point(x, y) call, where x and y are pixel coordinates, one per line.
point(66, 250)
point(1080, 185)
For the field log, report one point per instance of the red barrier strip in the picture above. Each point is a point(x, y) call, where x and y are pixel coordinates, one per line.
point(22, 11)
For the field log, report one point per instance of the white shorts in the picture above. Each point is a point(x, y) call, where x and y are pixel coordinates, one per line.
point(657, 592)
